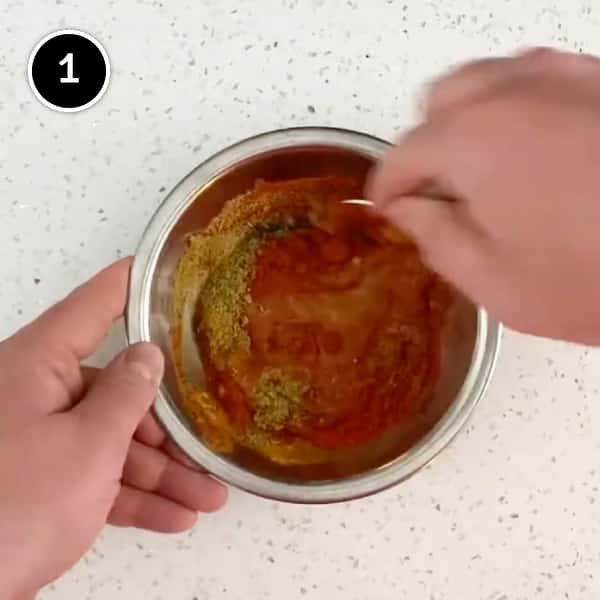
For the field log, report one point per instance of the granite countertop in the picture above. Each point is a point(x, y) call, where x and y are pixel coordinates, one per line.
point(512, 509)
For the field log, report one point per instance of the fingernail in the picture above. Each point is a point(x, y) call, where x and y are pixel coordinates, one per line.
point(147, 361)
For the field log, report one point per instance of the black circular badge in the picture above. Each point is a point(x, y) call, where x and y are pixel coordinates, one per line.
point(69, 70)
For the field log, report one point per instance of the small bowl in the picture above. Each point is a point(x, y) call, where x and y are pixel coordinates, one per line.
point(470, 347)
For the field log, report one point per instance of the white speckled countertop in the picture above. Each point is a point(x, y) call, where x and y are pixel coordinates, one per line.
point(512, 510)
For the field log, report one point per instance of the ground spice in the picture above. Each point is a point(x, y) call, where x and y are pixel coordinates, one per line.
point(277, 398)
point(286, 280)
point(224, 298)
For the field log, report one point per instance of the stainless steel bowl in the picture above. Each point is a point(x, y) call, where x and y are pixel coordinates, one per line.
point(471, 345)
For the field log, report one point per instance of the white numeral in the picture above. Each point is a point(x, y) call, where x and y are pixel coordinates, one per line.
point(68, 60)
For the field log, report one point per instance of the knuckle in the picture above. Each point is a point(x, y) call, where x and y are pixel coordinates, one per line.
point(438, 91)
point(129, 379)
point(484, 120)
point(65, 369)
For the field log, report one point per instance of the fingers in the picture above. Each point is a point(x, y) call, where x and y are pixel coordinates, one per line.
point(479, 79)
point(149, 432)
point(88, 376)
point(121, 395)
point(448, 242)
point(469, 82)
point(76, 325)
point(144, 510)
point(176, 454)
point(151, 470)
point(427, 154)
point(418, 161)
point(424, 155)
point(550, 58)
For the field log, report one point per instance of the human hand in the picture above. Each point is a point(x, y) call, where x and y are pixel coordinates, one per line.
point(516, 143)
point(69, 458)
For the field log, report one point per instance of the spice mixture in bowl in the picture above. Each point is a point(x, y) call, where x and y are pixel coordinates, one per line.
point(311, 355)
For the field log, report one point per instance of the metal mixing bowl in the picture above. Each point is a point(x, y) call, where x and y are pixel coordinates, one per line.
point(470, 347)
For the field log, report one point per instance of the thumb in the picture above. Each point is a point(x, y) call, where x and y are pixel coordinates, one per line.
point(122, 394)
point(449, 244)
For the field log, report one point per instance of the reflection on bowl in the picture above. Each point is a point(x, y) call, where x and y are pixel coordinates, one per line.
point(469, 343)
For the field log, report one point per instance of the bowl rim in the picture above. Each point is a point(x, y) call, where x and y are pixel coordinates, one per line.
point(485, 353)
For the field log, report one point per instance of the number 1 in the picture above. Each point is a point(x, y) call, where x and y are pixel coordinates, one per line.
point(68, 60)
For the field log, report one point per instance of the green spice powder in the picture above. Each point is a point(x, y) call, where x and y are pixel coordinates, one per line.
point(277, 399)
point(225, 297)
